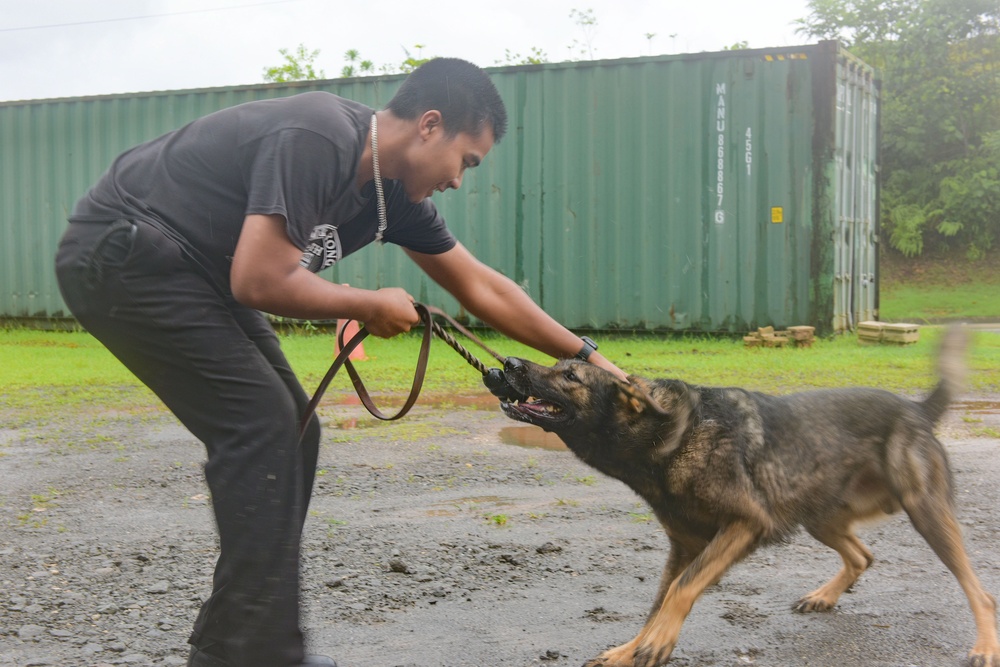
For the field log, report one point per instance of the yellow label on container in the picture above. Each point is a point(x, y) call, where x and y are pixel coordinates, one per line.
point(777, 214)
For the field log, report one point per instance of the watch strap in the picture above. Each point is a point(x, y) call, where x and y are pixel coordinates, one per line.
point(588, 348)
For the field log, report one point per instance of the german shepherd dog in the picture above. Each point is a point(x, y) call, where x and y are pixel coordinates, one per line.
point(728, 470)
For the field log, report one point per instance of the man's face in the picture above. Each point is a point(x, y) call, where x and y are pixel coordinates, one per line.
point(438, 161)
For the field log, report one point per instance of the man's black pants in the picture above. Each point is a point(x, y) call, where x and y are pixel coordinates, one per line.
point(219, 368)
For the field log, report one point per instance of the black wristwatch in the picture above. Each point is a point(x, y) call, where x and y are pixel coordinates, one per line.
point(588, 348)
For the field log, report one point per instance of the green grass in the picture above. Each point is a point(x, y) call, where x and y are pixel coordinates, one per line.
point(57, 359)
point(937, 287)
point(46, 371)
point(918, 303)
point(831, 362)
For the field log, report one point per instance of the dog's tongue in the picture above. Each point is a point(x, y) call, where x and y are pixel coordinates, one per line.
point(497, 384)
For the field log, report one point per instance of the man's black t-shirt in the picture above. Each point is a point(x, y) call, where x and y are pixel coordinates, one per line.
point(294, 156)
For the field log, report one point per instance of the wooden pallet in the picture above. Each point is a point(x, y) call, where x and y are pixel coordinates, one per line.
point(883, 332)
point(799, 336)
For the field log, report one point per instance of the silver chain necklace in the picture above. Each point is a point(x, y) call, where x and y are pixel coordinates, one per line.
point(383, 221)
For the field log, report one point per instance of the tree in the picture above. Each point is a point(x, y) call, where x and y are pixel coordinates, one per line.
point(298, 66)
point(362, 67)
point(413, 62)
point(649, 41)
point(535, 57)
point(587, 21)
point(940, 67)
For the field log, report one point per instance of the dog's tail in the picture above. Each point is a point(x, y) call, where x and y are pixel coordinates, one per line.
point(951, 370)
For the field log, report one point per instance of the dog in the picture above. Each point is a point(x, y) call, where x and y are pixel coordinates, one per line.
point(726, 471)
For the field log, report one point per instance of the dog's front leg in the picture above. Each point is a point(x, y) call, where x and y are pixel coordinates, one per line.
point(681, 555)
point(654, 644)
point(678, 560)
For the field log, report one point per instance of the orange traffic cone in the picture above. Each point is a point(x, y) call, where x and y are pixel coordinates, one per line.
point(350, 329)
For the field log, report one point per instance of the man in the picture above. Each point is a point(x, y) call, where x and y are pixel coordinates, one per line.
point(171, 257)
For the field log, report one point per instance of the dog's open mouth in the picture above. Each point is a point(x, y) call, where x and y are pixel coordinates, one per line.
point(533, 410)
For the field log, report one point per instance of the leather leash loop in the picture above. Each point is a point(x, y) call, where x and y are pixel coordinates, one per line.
point(427, 314)
point(418, 374)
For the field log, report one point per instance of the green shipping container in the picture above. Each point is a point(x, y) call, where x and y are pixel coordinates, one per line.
point(711, 192)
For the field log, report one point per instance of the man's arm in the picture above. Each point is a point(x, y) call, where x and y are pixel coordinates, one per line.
point(266, 275)
point(501, 303)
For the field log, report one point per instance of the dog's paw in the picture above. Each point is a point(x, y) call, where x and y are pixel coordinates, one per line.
point(984, 658)
point(652, 656)
point(813, 602)
point(620, 656)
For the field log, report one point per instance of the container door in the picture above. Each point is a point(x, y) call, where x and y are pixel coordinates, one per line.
point(856, 201)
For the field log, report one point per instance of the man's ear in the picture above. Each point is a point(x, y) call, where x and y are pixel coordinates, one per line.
point(430, 121)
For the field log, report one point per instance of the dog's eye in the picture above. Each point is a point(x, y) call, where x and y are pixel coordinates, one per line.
point(570, 375)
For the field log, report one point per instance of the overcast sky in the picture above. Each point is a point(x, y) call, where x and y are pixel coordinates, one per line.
point(71, 48)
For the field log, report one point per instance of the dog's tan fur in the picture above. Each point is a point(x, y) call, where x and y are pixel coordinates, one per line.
point(727, 471)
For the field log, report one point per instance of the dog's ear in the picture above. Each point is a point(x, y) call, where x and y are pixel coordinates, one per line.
point(636, 398)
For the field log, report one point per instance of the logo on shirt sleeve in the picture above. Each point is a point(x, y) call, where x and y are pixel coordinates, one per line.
point(323, 249)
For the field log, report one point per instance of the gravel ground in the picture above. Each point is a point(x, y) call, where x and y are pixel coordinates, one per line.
point(451, 538)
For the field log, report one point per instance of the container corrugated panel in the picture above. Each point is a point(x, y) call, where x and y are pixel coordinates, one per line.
point(53, 150)
point(694, 193)
point(708, 192)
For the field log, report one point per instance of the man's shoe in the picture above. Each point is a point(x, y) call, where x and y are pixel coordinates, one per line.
point(199, 658)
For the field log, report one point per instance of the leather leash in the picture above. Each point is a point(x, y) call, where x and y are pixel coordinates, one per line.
point(431, 327)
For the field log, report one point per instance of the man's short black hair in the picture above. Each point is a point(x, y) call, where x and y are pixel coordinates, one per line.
point(462, 92)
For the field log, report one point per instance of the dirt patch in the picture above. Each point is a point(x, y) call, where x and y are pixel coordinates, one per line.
point(936, 269)
point(445, 539)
